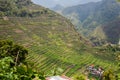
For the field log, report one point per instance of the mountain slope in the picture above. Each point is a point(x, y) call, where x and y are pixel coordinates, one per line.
point(90, 16)
point(51, 40)
point(58, 8)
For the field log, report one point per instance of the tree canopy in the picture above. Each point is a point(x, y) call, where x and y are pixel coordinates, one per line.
point(13, 65)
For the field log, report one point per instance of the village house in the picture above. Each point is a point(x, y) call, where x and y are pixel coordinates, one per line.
point(95, 71)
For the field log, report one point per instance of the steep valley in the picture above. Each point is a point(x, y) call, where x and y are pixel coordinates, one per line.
point(53, 42)
point(96, 17)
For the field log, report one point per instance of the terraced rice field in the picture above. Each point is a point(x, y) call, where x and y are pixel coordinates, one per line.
point(74, 64)
point(52, 45)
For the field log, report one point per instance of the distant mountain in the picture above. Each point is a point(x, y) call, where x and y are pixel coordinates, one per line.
point(94, 17)
point(65, 3)
point(57, 7)
point(82, 11)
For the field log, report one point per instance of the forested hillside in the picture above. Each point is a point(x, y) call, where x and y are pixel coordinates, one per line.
point(92, 17)
point(53, 45)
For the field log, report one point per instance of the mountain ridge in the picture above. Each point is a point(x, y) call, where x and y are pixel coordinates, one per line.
point(89, 16)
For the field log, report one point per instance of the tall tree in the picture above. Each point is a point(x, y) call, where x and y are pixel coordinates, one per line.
point(17, 52)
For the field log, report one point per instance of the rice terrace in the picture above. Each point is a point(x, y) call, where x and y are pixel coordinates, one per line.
point(59, 40)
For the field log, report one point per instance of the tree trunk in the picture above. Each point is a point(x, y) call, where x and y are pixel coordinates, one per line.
point(16, 59)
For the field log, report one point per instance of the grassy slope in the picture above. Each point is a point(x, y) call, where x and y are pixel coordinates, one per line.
point(52, 42)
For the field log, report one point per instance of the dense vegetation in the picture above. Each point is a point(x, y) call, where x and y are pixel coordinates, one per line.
point(18, 8)
point(53, 44)
point(13, 65)
point(98, 21)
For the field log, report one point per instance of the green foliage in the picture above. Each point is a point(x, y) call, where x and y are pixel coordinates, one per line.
point(56, 71)
point(21, 3)
point(109, 75)
point(79, 77)
point(26, 73)
point(18, 8)
point(1, 14)
point(112, 48)
point(6, 71)
point(21, 72)
point(4, 5)
point(7, 7)
point(11, 53)
point(8, 48)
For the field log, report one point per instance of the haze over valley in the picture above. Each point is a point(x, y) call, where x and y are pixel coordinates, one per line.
point(64, 3)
